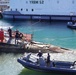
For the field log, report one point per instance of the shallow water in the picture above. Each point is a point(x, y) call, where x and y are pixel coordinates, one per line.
point(10, 66)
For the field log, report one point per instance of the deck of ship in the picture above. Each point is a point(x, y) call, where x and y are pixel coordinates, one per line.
point(41, 17)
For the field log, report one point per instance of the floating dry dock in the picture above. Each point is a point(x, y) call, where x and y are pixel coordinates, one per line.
point(26, 45)
point(33, 47)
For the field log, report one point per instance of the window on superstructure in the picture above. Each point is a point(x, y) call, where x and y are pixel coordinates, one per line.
point(21, 9)
point(8, 6)
point(1, 9)
point(36, 2)
point(26, 2)
point(57, 1)
point(16, 9)
point(73, 1)
point(32, 9)
point(41, 2)
point(26, 9)
point(11, 9)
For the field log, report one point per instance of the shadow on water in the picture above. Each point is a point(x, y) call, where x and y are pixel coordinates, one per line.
point(32, 72)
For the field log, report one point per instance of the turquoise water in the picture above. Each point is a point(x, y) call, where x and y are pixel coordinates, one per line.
point(55, 33)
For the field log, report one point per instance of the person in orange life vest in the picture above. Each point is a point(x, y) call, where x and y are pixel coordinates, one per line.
point(1, 35)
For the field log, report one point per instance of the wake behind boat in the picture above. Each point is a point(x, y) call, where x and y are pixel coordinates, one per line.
point(34, 62)
point(5, 27)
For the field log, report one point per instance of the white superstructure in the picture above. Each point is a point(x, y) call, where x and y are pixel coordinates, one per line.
point(4, 4)
point(41, 9)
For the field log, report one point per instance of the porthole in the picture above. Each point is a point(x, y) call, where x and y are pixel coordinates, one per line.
point(32, 9)
point(57, 1)
point(26, 9)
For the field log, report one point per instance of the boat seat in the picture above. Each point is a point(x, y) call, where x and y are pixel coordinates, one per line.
point(41, 62)
point(52, 64)
point(27, 57)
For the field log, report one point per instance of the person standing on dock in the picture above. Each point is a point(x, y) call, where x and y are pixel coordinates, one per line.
point(10, 35)
point(16, 36)
point(20, 35)
point(10, 32)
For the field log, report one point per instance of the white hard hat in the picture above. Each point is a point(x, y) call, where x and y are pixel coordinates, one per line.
point(39, 50)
